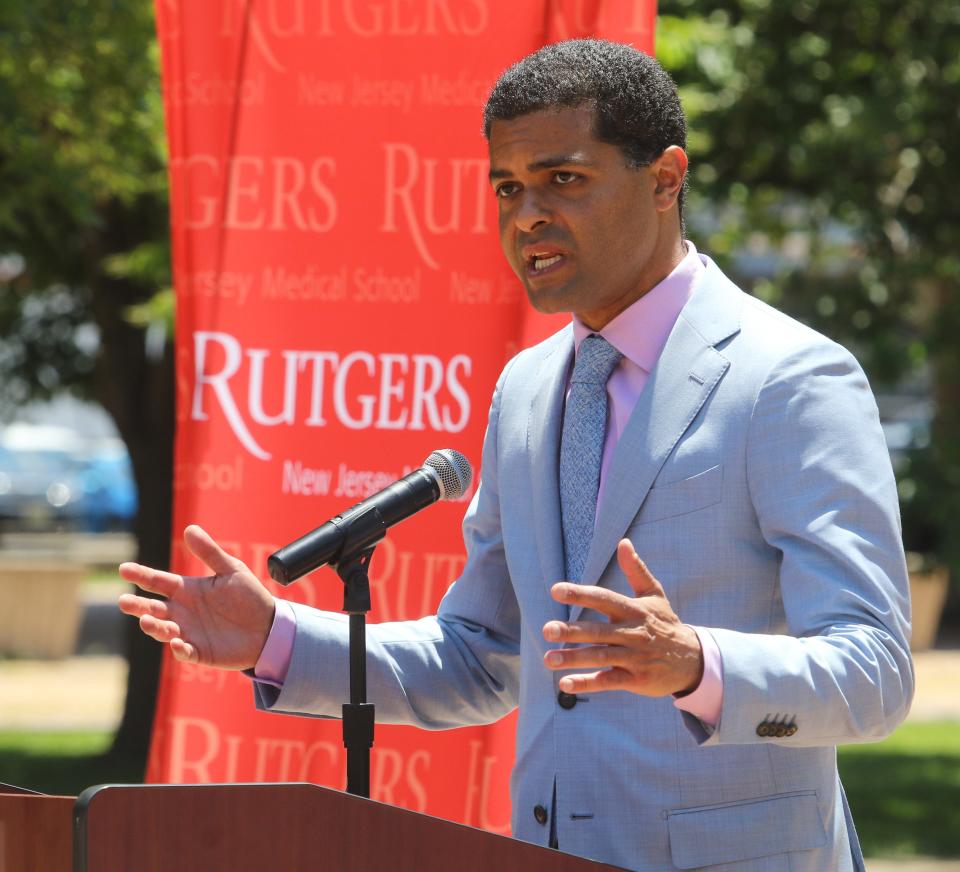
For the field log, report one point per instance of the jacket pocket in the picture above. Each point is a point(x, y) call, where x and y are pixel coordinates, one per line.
point(682, 497)
point(745, 830)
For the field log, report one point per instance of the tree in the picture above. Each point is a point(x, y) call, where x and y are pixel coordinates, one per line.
point(84, 224)
point(820, 133)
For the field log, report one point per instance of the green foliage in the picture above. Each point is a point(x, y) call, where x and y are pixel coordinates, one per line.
point(905, 792)
point(149, 264)
point(82, 184)
point(820, 178)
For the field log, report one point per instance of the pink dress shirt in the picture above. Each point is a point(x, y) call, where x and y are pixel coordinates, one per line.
point(639, 333)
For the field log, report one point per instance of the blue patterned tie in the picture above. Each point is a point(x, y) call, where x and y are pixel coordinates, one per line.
point(581, 448)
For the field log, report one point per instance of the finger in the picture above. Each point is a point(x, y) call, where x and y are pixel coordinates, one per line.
point(588, 657)
point(162, 631)
point(640, 578)
point(154, 580)
point(184, 651)
point(201, 544)
point(583, 631)
point(138, 606)
point(607, 679)
point(614, 605)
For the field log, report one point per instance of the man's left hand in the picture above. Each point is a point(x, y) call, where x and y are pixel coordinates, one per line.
point(643, 647)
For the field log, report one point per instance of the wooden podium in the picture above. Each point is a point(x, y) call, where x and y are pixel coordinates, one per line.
point(246, 827)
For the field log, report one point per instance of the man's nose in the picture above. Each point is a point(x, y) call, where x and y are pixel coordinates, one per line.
point(531, 213)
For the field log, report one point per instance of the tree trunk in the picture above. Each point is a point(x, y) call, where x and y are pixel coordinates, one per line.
point(946, 422)
point(151, 451)
point(135, 383)
point(148, 432)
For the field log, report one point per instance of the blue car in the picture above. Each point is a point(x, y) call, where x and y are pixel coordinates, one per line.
point(51, 479)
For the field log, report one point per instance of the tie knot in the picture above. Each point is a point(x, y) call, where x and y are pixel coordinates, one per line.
point(596, 359)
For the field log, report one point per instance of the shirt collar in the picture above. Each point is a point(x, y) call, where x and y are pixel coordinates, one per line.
point(641, 330)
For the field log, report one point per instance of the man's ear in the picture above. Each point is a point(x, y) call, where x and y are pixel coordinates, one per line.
point(669, 171)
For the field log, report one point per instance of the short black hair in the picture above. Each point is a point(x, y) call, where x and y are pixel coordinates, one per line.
point(635, 100)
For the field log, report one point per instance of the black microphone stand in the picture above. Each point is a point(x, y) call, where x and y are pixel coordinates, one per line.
point(365, 532)
point(352, 538)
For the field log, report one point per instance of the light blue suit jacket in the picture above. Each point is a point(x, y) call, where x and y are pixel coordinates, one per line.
point(754, 481)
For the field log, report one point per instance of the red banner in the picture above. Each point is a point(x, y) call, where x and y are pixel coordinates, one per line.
point(342, 310)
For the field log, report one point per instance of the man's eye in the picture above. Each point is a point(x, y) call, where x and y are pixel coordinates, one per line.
point(564, 177)
point(506, 189)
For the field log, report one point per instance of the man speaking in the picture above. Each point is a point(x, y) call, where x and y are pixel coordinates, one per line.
point(683, 561)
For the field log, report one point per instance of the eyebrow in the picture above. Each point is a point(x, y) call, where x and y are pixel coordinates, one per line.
point(546, 163)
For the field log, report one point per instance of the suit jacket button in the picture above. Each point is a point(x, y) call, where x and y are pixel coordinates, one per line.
point(540, 814)
point(763, 729)
point(566, 700)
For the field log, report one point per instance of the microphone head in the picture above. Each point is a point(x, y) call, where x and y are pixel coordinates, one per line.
point(453, 471)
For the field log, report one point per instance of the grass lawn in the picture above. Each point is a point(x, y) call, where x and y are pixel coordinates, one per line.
point(62, 764)
point(905, 792)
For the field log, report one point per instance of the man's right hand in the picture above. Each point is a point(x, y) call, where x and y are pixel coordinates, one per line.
point(217, 620)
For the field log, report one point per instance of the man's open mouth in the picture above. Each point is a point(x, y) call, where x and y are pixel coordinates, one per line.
point(540, 262)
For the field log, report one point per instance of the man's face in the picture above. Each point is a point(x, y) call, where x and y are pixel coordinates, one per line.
point(584, 231)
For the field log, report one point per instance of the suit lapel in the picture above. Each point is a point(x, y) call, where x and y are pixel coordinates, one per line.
point(543, 440)
point(688, 371)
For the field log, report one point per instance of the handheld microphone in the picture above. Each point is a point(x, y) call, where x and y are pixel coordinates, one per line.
point(445, 475)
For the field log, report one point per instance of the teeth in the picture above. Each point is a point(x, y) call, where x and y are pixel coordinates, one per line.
point(540, 263)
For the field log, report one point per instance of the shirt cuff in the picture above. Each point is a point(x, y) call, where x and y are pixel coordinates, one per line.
point(705, 702)
point(275, 657)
